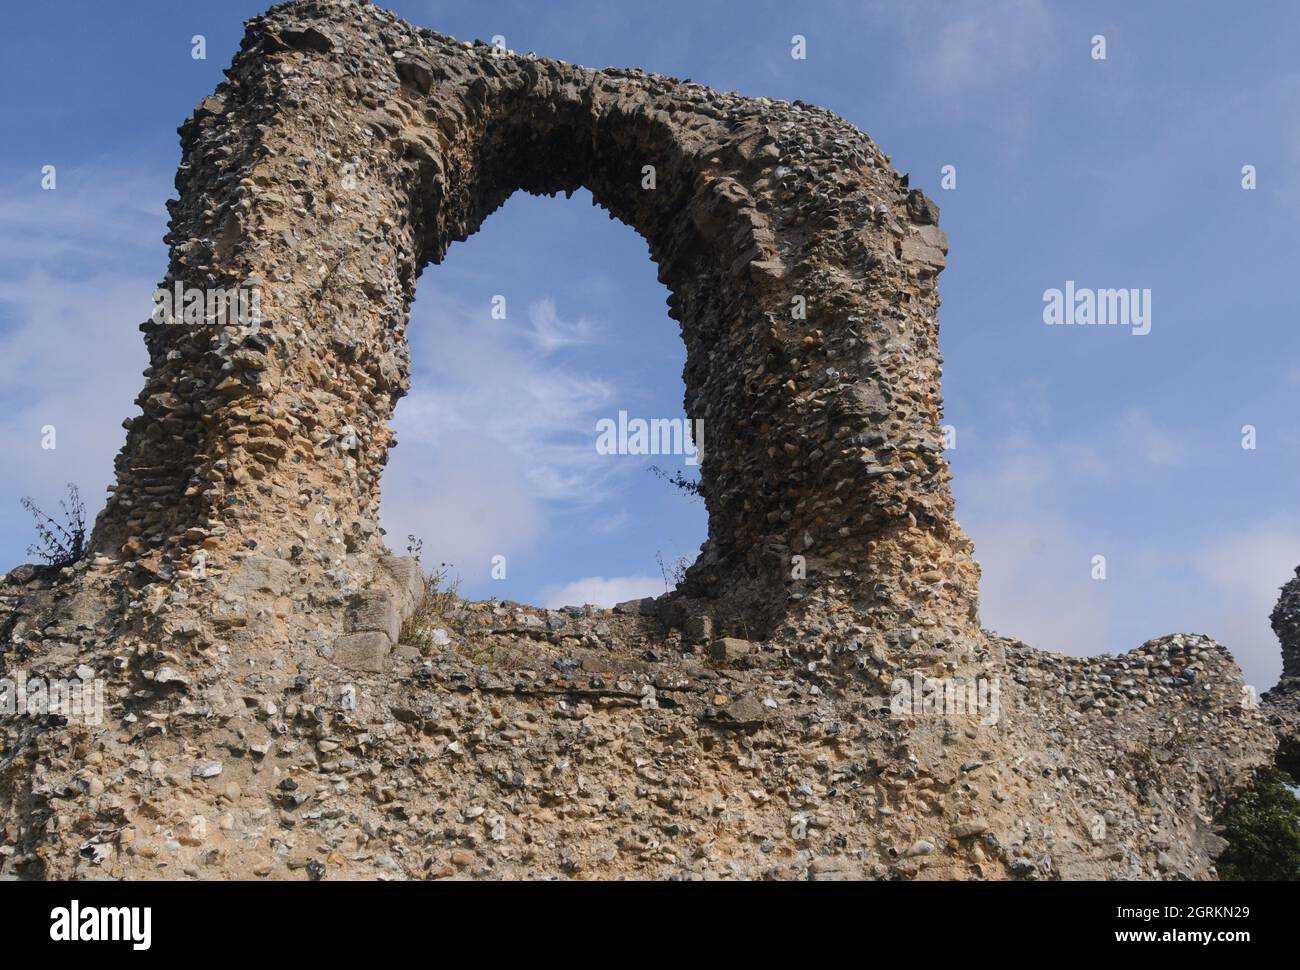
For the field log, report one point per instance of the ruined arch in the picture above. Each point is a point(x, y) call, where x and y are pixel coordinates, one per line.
point(329, 175)
point(239, 594)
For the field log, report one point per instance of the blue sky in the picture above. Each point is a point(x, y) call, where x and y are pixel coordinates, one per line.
point(1071, 442)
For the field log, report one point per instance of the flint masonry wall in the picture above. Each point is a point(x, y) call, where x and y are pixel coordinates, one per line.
point(348, 150)
point(1283, 701)
point(262, 718)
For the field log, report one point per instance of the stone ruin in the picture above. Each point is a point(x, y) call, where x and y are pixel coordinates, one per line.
point(263, 714)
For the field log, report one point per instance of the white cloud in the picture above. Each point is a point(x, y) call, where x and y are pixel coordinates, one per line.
point(73, 290)
point(1018, 504)
point(495, 435)
point(1242, 573)
point(467, 504)
point(551, 333)
point(603, 591)
point(981, 59)
point(613, 522)
point(1037, 585)
point(971, 47)
point(73, 361)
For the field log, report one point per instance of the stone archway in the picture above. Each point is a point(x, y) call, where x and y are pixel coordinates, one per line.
point(244, 614)
point(801, 266)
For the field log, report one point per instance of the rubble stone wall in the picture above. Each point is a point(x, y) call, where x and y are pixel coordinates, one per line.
point(267, 711)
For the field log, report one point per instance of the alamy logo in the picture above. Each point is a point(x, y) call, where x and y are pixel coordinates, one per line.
point(76, 700)
point(946, 697)
point(657, 436)
point(1080, 306)
point(239, 306)
point(97, 924)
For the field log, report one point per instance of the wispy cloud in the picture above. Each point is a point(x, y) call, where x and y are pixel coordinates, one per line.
point(971, 48)
point(1241, 573)
point(602, 591)
point(72, 296)
point(98, 218)
point(551, 333)
point(497, 433)
point(981, 59)
point(1021, 500)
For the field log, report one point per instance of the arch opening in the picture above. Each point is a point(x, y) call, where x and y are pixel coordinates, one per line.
point(524, 338)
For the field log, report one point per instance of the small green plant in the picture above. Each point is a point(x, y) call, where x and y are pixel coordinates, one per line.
point(1262, 827)
point(60, 543)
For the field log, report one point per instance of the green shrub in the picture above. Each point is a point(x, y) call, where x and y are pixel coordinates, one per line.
point(1262, 827)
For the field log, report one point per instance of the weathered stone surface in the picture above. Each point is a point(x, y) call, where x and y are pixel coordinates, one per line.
point(363, 651)
point(239, 597)
point(699, 628)
point(407, 581)
point(374, 610)
point(261, 574)
point(928, 245)
point(1283, 701)
point(729, 649)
